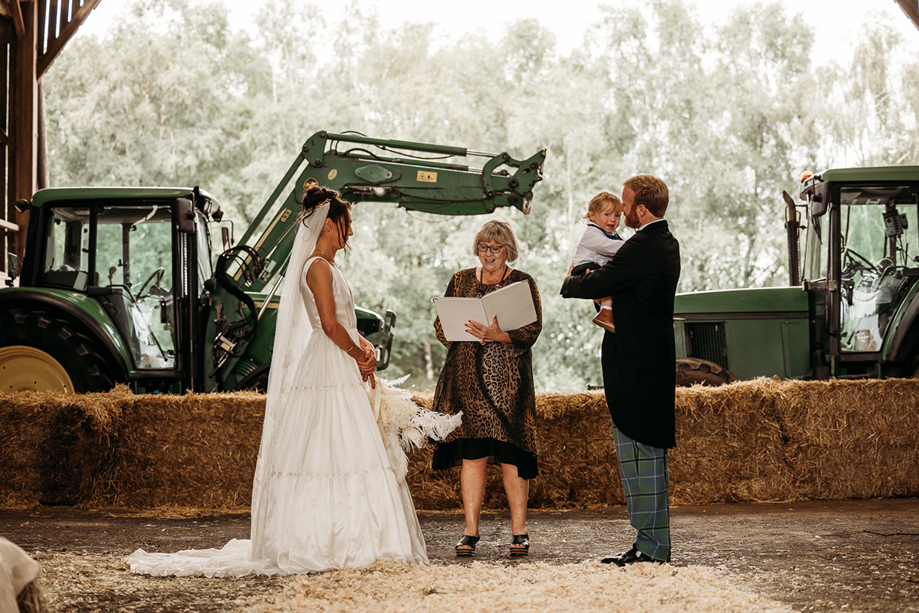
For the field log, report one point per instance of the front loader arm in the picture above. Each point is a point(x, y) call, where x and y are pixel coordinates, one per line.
point(369, 170)
point(416, 176)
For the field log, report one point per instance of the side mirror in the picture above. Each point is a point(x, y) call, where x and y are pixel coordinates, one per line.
point(226, 234)
point(819, 200)
point(185, 215)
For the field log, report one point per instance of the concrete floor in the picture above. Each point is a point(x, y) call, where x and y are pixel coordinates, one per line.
point(816, 556)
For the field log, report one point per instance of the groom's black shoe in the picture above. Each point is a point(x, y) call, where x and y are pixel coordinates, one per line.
point(630, 557)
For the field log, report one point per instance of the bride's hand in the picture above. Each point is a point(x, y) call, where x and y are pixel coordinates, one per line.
point(370, 352)
point(367, 363)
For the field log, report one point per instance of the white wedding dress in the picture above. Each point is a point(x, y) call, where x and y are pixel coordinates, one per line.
point(325, 495)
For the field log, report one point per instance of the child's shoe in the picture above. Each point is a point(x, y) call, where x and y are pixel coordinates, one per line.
point(604, 319)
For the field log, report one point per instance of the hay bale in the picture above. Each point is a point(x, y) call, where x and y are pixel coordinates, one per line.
point(730, 445)
point(576, 463)
point(195, 450)
point(762, 440)
point(853, 439)
point(54, 444)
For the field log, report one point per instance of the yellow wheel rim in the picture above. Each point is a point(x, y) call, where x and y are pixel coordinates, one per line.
point(29, 369)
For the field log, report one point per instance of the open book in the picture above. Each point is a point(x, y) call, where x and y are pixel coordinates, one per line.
point(512, 304)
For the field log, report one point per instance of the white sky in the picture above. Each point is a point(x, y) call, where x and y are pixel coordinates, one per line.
point(835, 22)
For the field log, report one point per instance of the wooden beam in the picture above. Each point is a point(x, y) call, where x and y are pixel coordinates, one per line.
point(7, 244)
point(61, 11)
point(42, 173)
point(911, 8)
point(17, 19)
point(42, 8)
point(7, 31)
point(56, 44)
point(23, 83)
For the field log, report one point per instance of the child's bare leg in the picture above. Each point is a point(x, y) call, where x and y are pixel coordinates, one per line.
point(604, 318)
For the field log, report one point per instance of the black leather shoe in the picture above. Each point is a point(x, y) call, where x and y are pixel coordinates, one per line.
point(630, 557)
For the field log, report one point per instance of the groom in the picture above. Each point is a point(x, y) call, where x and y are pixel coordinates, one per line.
point(639, 361)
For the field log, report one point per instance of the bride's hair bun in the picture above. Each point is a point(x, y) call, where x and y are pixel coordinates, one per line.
point(314, 196)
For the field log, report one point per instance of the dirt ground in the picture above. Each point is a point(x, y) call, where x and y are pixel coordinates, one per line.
point(814, 556)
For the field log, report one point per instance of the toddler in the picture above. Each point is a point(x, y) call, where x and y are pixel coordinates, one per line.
point(597, 246)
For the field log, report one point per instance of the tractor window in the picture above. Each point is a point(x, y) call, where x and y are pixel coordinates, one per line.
point(67, 249)
point(879, 239)
point(134, 260)
point(205, 270)
point(816, 251)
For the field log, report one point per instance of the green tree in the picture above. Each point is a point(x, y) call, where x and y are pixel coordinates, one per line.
point(728, 116)
point(712, 116)
point(160, 100)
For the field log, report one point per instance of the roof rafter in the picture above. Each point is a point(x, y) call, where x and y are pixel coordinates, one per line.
point(58, 21)
point(911, 8)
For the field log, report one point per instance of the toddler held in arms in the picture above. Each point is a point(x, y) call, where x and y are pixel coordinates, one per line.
point(597, 246)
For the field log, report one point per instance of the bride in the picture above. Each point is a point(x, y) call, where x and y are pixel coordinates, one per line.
point(325, 495)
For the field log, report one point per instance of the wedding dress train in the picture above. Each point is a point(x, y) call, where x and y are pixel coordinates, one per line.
point(325, 493)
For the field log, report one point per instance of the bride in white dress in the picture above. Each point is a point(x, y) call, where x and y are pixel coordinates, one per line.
point(325, 495)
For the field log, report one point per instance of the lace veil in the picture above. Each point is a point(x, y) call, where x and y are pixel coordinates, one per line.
point(291, 335)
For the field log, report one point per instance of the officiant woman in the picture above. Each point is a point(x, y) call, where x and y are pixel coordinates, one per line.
point(491, 382)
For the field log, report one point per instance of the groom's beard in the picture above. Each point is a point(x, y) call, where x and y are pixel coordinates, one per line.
point(631, 219)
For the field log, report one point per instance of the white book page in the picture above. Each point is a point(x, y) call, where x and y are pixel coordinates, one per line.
point(513, 306)
point(455, 312)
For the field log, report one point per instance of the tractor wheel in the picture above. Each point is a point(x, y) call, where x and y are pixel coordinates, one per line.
point(690, 371)
point(41, 351)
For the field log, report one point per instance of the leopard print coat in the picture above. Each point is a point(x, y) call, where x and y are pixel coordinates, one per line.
point(492, 384)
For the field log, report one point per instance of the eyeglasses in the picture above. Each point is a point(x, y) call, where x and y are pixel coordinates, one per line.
point(490, 248)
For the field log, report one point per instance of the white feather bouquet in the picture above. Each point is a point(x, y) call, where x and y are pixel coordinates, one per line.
point(403, 424)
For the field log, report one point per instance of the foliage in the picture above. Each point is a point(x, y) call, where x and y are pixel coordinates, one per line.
point(727, 116)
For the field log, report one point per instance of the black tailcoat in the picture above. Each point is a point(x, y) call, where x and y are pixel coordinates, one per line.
point(639, 360)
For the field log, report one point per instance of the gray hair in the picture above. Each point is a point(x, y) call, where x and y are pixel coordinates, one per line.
point(497, 232)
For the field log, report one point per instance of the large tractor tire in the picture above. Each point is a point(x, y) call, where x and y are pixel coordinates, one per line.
point(41, 350)
point(690, 371)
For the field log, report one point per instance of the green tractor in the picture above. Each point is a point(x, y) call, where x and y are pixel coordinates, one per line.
point(851, 310)
point(126, 285)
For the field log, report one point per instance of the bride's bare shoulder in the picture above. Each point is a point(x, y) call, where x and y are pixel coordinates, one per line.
point(317, 269)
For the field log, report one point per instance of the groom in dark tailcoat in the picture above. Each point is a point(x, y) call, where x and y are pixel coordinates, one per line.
point(639, 361)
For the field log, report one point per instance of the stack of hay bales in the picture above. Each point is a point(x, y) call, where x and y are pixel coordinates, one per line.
point(196, 450)
point(762, 440)
point(53, 446)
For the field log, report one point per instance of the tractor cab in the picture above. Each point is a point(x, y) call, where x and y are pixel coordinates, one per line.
point(861, 257)
point(139, 254)
point(130, 245)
